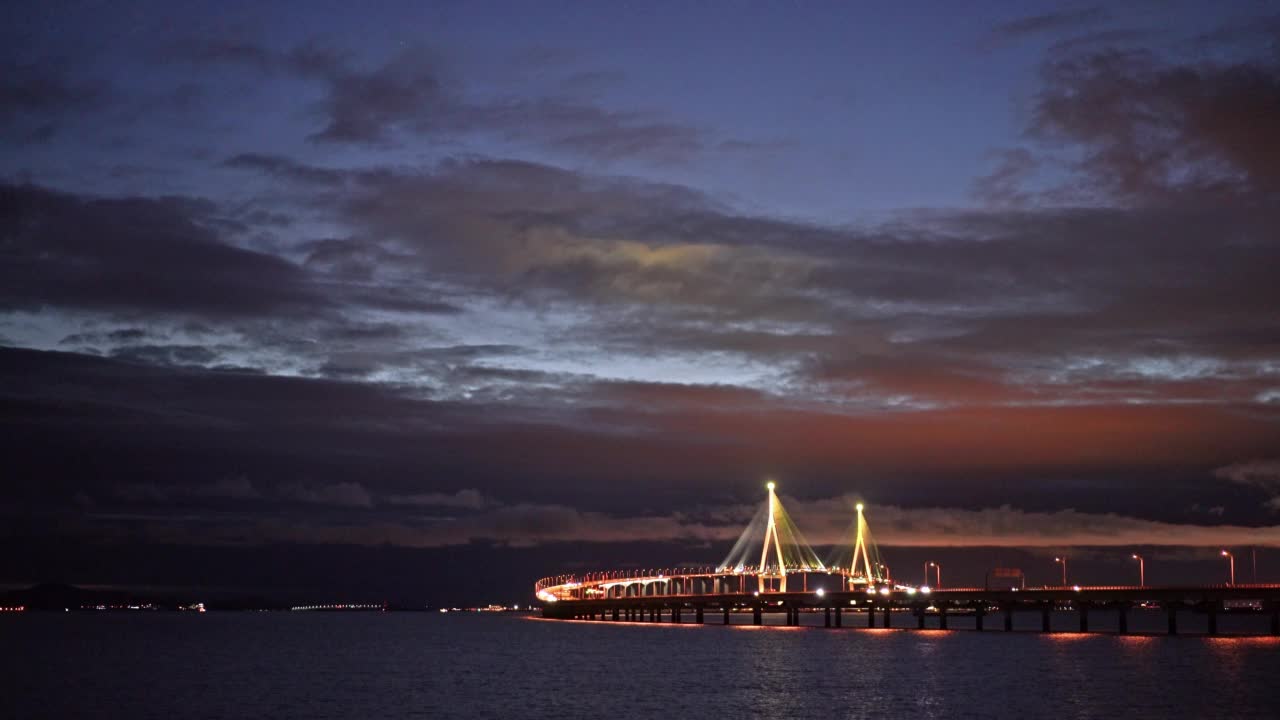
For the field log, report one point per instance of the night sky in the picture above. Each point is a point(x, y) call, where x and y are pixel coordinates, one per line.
point(424, 301)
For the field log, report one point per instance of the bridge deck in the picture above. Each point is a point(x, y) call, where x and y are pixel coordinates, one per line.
point(606, 598)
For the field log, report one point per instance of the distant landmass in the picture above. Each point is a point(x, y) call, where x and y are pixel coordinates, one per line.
point(60, 597)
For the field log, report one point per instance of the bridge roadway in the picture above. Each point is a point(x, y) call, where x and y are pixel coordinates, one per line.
point(877, 604)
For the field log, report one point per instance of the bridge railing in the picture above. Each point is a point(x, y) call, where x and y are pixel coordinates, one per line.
point(684, 581)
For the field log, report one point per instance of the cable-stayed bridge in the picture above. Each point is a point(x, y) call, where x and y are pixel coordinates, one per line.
point(772, 569)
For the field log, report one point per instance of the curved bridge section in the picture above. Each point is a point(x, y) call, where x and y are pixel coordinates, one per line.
point(689, 582)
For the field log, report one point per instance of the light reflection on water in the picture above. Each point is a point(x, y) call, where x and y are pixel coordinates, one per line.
point(468, 666)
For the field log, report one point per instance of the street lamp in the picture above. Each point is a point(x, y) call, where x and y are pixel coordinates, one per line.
point(1232, 559)
point(1142, 571)
point(937, 568)
point(1062, 560)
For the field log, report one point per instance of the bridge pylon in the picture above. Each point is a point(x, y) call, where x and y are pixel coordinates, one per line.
point(782, 548)
point(860, 549)
point(864, 568)
point(771, 535)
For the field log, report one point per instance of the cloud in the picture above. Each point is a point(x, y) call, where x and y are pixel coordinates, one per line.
point(37, 98)
point(825, 523)
point(104, 423)
point(469, 498)
point(167, 354)
point(1044, 23)
point(1152, 130)
point(1261, 474)
point(84, 252)
point(1003, 307)
point(367, 336)
point(643, 266)
point(236, 487)
point(1007, 184)
point(365, 106)
point(342, 494)
point(418, 93)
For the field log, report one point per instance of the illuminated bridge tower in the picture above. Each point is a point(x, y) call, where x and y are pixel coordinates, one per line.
point(771, 535)
point(860, 551)
point(864, 568)
point(781, 547)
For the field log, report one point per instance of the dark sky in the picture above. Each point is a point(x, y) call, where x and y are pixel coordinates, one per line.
point(427, 300)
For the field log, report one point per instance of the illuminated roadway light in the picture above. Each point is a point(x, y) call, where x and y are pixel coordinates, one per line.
point(859, 507)
point(769, 485)
point(820, 592)
point(1076, 588)
point(884, 591)
point(924, 589)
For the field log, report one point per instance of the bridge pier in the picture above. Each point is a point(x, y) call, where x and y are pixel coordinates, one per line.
point(1213, 619)
point(837, 617)
point(871, 616)
point(978, 614)
point(1083, 609)
point(726, 614)
point(888, 616)
point(1008, 618)
point(1172, 610)
point(942, 617)
point(1275, 620)
point(675, 615)
point(920, 618)
point(697, 615)
point(756, 615)
point(1046, 615)
point(1123, 619)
